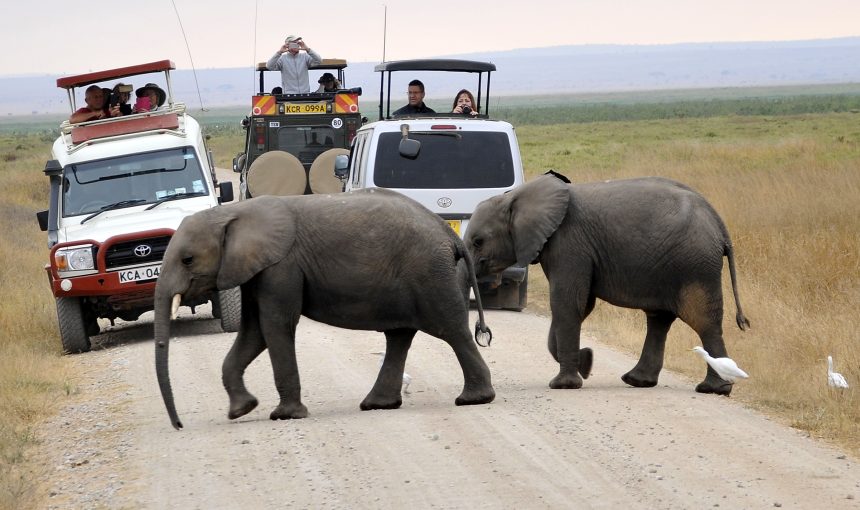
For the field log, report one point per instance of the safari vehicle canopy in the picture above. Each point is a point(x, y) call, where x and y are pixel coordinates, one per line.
point(292, 139)
point(386, 69)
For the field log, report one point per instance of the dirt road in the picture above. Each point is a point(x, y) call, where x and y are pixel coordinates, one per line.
point(604, 446)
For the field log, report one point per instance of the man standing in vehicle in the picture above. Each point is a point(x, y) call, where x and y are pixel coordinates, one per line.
point(294, 65)
point(95, 107)
point(416, 105)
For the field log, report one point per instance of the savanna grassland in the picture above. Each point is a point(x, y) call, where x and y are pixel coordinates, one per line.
point(786, 181)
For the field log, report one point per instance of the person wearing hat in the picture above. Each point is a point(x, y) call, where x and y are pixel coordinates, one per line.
point(294, 65)
point(328, 83)
point(154, 93)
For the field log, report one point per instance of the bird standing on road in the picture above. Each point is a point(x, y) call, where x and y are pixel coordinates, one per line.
point(726, 368)
point(835, 379)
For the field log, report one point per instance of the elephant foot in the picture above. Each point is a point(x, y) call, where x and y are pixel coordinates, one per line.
point(564, 381)
point(638, 380)
point(718, 386)
point(289, 412)
point(373, 402)
point(240, 406)
point(586, 358)
point(476, 397)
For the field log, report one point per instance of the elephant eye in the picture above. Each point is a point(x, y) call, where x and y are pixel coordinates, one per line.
point(477, 242)
point(187, 260)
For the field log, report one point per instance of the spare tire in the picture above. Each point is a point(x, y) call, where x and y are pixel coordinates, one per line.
point(321, 178)
point(276, 173)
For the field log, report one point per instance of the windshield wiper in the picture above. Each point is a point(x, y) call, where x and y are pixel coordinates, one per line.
point(115, 205)
point(175, 197)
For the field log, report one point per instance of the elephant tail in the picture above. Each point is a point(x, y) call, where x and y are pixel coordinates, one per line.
point(740, 318)
point(481, 328)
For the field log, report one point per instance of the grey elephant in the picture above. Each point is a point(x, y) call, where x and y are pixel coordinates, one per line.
point(650, 243)
point(367, 260)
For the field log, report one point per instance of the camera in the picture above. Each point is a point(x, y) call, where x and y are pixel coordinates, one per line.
point(466, 109)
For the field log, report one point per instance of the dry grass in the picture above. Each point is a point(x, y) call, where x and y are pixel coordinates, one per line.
point(788, 189)
point(33, 376)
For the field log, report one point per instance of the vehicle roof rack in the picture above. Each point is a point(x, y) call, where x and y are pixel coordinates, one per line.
point(70, 82)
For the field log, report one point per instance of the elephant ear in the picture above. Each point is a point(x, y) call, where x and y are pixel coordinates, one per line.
point(257, 233)
point(537, 209)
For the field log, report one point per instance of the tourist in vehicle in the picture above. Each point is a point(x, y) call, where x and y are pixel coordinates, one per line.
point(154, 95)
point(464, 103)
point(95, 108)
point(294, 65)
point(120, 95)
point(328, 83)
point(416, 105)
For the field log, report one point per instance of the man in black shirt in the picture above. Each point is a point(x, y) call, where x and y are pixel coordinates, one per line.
point(416, 100)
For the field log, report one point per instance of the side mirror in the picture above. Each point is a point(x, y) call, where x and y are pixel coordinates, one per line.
point(341, 166)
point(408, 147)
point(239, 162)
point(225, 190)
point(42, 216)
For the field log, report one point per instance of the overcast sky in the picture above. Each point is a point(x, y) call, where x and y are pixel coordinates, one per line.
point(69, 37)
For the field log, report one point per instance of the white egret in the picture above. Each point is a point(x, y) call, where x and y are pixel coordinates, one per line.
point(835, 379)
point(726, 368)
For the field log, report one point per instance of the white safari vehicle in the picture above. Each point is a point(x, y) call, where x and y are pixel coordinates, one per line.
point(119, 188)
point(447, 162)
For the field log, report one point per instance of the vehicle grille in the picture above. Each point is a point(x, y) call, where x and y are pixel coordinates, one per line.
point(123, 254)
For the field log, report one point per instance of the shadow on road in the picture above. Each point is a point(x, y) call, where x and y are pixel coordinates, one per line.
point(142, 330)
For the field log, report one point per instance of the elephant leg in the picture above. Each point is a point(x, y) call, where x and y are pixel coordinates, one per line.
point(566, 332)
point(703, 311)
point(647, 370)
point(385, 393)
point(282, 351)
point(248, 345)
point(477, 385)
point(586, 355)
point(712, 341)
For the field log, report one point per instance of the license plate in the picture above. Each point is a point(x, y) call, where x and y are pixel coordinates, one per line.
point(139, 274)
point(455, 225)
point(305, 107)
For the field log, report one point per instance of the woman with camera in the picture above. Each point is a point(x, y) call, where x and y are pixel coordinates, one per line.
point(464, 103)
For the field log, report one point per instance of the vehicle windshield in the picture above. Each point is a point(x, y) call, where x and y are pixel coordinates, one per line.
point(131, 180)
point(306, 142)
point(447, 159)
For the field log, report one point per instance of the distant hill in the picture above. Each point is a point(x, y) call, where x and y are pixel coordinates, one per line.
point(561, 69)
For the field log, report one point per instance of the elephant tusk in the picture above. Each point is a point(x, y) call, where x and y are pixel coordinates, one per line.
point(174, 306)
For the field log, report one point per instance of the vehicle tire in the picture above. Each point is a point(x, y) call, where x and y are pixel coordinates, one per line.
point(73, 327)
point(515, 295)
point(227, 306)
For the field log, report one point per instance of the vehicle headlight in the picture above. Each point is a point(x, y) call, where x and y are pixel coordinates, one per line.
point(78, 258)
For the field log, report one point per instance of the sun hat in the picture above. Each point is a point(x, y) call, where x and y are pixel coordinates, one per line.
point(292, 38)
point(325, 78)
point(162, 96)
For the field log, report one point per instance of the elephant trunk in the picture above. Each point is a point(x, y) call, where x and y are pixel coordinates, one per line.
point(163, 316)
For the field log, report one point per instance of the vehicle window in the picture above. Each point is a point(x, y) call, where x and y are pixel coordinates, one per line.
point(360, 157)
point(306, 142)
point(149, 176)
point(450, 160)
